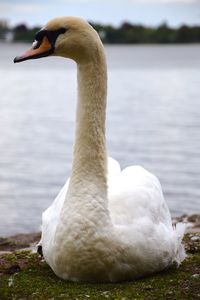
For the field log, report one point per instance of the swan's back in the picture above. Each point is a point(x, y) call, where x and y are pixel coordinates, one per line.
point(135, 193)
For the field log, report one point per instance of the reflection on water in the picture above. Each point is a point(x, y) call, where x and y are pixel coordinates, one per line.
point(153, 119)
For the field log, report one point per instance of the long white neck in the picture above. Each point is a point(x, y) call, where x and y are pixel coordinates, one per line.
point(89, 167)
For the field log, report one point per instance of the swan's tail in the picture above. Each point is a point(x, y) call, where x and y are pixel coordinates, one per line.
point(180, 250)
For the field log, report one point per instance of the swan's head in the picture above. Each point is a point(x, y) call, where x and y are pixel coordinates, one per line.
point(65, 36)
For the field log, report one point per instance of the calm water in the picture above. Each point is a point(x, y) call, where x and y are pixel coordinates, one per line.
point(153, 119)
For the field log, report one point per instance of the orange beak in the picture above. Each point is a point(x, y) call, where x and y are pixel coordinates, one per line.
point(40, 49)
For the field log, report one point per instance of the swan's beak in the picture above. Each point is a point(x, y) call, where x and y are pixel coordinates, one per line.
point(39, 49)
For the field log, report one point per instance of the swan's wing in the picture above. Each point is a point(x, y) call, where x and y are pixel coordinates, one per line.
point(51, 215)
point(55, 208)
point(139, 213)
point(135, 193)
point(114, 169)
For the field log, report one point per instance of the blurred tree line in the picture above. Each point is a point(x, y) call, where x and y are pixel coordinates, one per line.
point(129, 33)
point(126, 33)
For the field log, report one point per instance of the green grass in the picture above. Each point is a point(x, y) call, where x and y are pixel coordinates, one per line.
point(24, 275)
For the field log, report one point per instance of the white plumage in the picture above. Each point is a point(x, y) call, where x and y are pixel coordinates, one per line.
point(104, 226)
point(142, 226)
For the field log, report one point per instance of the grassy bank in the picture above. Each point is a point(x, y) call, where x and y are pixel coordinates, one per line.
point(24, 275)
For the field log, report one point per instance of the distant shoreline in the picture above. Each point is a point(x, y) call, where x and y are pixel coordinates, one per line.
point(126, 33)
point(117, 44)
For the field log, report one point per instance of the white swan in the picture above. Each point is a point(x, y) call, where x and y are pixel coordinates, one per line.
point(91, 232)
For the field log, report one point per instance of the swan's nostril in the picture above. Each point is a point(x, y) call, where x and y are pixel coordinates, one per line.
point(36, 44)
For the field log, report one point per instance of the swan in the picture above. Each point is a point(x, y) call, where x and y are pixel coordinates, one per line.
point(106, 225)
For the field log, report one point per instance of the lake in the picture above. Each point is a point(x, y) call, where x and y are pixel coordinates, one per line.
point(153, 119)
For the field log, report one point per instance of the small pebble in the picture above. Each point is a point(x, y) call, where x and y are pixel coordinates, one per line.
point(105, 292)
point(148, 287)
point(195, 238)
point(169, 293)
point(196, 276)
point(10, 281)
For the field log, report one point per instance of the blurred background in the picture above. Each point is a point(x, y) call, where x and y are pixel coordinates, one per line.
point(153, 117)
